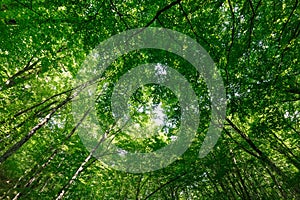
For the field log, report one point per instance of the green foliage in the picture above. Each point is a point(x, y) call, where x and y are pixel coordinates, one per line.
point(254, 44)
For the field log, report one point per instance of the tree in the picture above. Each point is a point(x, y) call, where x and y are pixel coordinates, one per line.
point(255, 46)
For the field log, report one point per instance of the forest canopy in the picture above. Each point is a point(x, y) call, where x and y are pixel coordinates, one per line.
point(253, 44)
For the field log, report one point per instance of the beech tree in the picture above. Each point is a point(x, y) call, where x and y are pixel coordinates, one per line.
point(253, 43)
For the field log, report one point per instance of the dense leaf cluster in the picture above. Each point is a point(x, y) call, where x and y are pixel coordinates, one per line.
point(255, 45)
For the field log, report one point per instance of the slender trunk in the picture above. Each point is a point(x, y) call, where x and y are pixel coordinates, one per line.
point(81, 168)
point(12, 80)
point(213, 182)
point(237, 170)
point(51, 157)
point(138, 188)
point(78, 171)
point(262, 156)
point(165, 184)
point(282, 192)
point(19, 144)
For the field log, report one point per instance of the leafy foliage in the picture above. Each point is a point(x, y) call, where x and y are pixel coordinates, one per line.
point(254, 44)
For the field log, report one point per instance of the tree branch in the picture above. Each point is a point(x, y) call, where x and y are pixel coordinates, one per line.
point(163, 10)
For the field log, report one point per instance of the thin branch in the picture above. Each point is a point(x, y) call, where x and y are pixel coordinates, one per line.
point(193, 29)
point(288, 20)
point(232, 38)
point(251, 26)
point(39, 14)
point(81, 168)
point(233, 28)
point(119, 13)
point(163, 10)
point(251, 6)
point(18, 145)
point(11, 81)
point(249, 152)
point(165, 184)
point(76, 174)
point(50, 158)
point(262, 156)
point(138, 187)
